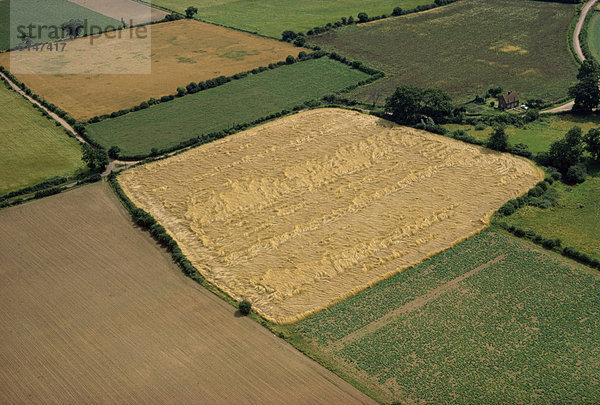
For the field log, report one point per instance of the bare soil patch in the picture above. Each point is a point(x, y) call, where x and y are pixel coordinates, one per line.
point(94, 312)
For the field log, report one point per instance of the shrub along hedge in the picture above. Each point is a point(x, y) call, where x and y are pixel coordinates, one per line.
point(552, 244)
point(541, 196)
point(147, 222)
point(45, 189)
point(298, 38)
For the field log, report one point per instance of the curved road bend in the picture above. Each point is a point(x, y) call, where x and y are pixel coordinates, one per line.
point(578, 51)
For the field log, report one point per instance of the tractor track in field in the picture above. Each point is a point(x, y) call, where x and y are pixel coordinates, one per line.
point(411, 306)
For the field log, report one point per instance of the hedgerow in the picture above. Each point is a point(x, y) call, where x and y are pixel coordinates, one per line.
point(552, 244)
point(147, 222)
point(299, 38)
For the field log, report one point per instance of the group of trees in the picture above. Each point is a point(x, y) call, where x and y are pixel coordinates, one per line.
point(567, 154)
point(586, 92)
point(94, 157)
point(409, 105)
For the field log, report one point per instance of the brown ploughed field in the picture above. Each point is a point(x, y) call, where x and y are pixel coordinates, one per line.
point(93, 311)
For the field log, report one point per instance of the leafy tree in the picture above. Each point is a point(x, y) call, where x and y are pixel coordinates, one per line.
point(173, 16)
point(532, 114)
point(409, 105)
point(586, 94)
point(300, 40)
point(576, 174)
point(436, 104)
point(592, 142)
point(498, 139)
point(288, 35)
point(72, 27)
point(588, 68)
point(363, 17)
point(190, 12)
point(245, 307)
point(568, 151)
point(290, 60)
point(494, 91)
point(95, 158)
point(181, 91)
point(113, 152)
point(397, 11)
point(522, 150)
point(405, 104)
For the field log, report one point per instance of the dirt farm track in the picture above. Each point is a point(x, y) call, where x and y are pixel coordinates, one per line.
point(92, 311)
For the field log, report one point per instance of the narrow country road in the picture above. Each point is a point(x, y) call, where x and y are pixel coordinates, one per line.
point(112, 165)
point(576, 44)
point(577, 47)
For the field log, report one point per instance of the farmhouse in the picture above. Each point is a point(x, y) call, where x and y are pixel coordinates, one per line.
point(508, 100)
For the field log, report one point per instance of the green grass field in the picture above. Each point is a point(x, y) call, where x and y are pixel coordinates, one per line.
point(575, 220)
point(44, 12)
point(239, 101)
point(493, 319)
point(465, 48)
point(32, 148)
point(539, 134)
point(594, 35)
point(272, 17)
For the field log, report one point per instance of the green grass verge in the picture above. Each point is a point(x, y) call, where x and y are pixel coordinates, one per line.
point(43, 12)
point(32, 148)
point(575, 220)
point(239, 101)
point(465, 48)
point(272, 17)
point(521, 327)
point(593, 36)
point(538, 135)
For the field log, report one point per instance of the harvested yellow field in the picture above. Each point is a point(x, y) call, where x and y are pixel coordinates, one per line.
point(307, 210)
point(105, 73)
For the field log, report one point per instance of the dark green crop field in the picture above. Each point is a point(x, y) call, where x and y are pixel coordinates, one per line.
point(240, 101)
point(465, 48)
point(494, 318)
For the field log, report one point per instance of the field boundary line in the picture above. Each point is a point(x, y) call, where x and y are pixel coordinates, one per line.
point(54, 116)
point(112, 164)
point(412, 305)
